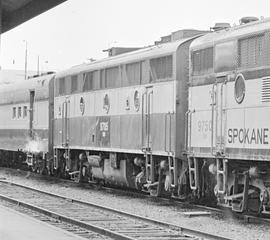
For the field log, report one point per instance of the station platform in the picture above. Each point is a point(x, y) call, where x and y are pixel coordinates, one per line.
point(15, 225)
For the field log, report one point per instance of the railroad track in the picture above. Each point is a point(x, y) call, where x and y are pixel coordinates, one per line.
point(247, 218)
point(89, 217)
point(122, 192)
point(125, 192)
point(74, 229)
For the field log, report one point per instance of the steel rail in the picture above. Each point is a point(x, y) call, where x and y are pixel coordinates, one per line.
point(67, 219)
point(79, 232)
point(218, 210)
point(122, 191)
point(183, 230)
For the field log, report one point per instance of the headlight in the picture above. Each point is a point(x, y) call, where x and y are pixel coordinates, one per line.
point(239, 88)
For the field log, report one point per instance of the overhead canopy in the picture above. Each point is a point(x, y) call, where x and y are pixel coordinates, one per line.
point(15, 12)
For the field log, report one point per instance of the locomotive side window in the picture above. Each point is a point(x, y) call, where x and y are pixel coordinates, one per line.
point(161, 68)
point(133, 73)
point(19, 112)
point(96, 82)
point(62, 86)
point(90, 80)
point(74, 83)
point(202, 61)
point(109, 78)
point(225, 56)
point(24, 111)
point(250, 51)
point(112, 77)
point(102, 78)
point(87, 81)
point(14, 112)
point(145, 78)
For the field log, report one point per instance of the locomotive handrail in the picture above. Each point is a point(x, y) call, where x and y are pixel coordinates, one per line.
point(63, 119)
point(186, 130)
point(216, 122)
point(166, 123)
point(213, 103)
point(219, 119)
point(149, 117)
point(170, 136)
point(190, 120)
point(68, 121)
point(165, 134)
point(143, 100)
point(169, 148)
point(65, 122)
point(221, 113)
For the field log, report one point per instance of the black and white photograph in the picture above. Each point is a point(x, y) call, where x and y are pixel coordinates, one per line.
point(134, 120)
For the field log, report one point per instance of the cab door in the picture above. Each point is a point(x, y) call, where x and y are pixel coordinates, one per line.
point(219, 116)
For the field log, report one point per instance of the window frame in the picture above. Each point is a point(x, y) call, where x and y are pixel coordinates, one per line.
point(133, 83)
point(25, 115)
point(62, 90)
point(14, 112)
point(204, 66)
point(74, 79)
point(19, 115)
point(168, 74)
point(114, 82)
point(86, 80)
point(103, 78)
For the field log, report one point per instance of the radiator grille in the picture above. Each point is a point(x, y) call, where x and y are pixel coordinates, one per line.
point(266, 89)
point(251, 51)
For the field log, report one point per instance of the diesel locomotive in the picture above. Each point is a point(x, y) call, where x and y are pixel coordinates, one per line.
point(187, 117)
point(229, 100)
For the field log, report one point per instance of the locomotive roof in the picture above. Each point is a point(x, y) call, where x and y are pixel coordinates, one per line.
point(130, 57)
point(19, 91)
point(236, 32)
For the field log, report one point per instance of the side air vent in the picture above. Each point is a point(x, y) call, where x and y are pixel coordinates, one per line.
point(266, 89)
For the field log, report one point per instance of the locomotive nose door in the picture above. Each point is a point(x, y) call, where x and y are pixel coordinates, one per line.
point(219, 115)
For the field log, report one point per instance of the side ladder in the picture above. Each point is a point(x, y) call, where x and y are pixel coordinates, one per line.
point(150, 167)
point(193, 173)
point(222, 173)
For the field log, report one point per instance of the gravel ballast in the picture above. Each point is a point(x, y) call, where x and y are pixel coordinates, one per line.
point(169, 212)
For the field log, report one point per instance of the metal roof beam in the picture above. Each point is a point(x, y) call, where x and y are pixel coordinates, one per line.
point(28, 11)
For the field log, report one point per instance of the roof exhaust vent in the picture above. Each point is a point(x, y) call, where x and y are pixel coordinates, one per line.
point(245, 20)
point(119, 50)
point(220, 26)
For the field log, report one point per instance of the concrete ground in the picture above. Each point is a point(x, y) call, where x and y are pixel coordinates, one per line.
point(17, 226)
